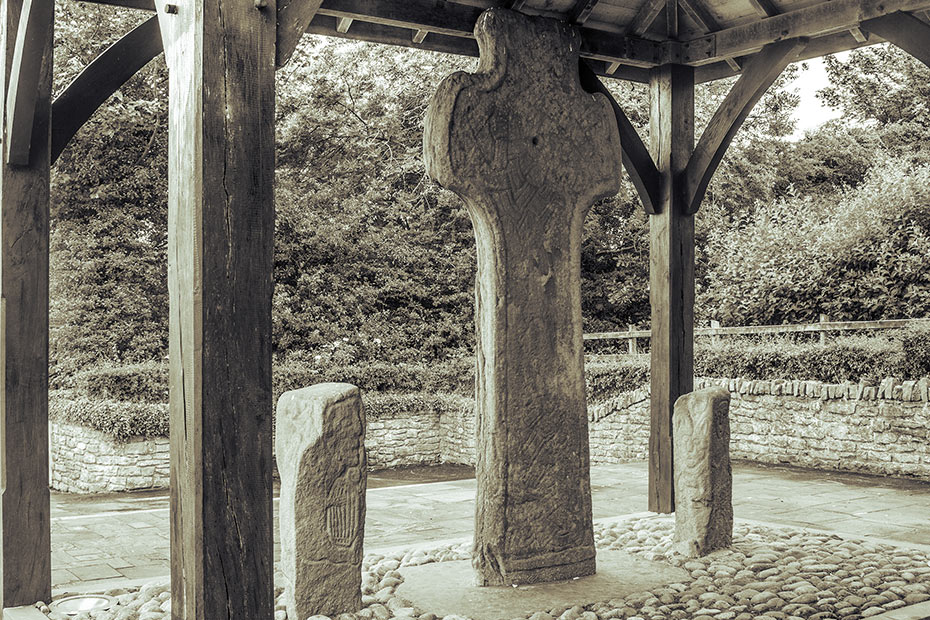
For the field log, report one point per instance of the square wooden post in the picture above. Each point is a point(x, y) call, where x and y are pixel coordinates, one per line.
point(671, 271)
point(24, 194)
point(221, 57)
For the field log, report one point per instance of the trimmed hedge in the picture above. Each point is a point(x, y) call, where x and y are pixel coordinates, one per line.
point(131, 400)
point(387, 406)
point(853, 358)
point(119, 419)
point(144, 382)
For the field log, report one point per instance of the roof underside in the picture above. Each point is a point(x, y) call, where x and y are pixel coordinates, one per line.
point(620, 38)
point(624, 38)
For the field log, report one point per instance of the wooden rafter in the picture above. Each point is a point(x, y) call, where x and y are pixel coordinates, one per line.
point(100, 79)
point(646, 15)
point(705, 20)
point(904, 31)
point(343, 24)
point(582, 11)
point(293, 18)
point(757, 77)
point(32, 32)
point(858, 35)
point(671, 19)
point(766, 8)
point(636, 158)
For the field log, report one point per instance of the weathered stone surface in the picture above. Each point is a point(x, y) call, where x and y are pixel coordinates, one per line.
point(703, 478)
point(321, 458)
point(529, 151)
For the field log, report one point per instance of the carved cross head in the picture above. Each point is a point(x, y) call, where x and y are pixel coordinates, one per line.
point(521, 133)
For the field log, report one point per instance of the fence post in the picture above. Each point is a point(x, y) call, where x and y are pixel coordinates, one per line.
point(714, 339)
point(823, 335)
point(631, 342)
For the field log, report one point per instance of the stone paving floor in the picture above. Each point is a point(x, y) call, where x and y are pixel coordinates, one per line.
point(106, 540)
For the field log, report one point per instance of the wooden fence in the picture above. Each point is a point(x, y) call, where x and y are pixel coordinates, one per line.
point(822, 327)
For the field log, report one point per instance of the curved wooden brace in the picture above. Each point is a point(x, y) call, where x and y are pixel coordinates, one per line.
point(100, 79)
point(636, 158)
point(905, 31)
point(758, 74)
point(294, 16)
point(35, 23)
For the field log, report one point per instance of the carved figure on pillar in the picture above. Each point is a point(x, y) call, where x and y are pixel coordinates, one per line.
point(529, 151)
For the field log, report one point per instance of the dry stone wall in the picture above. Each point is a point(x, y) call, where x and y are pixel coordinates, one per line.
point(883, 429)
point(84, 460)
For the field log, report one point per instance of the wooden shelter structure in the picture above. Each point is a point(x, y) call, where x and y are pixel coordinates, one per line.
point(222, 55)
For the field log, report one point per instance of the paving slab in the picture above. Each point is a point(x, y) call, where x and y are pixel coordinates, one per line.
point(448, 588)
point(88, 531)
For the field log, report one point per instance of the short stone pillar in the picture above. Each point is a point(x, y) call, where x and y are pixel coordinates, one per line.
point(703, 478)
point(529, 151)
point(320, 449)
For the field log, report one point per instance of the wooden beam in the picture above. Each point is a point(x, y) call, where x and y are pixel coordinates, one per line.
point(671, 272)
point(904, 31)
point(100, 79)
point(221, 60)
point(343, 24)
point(758, 75)
point(582, 11)
point(821, 46)
point(636, 158)
point(516, 5)
point(766, 8)
point(293, 18)
point(419, 35)
point(707, 22)
point(393, 35)
point(25, 511)
point(645, 17)
point(33, 31)
point(811, 21)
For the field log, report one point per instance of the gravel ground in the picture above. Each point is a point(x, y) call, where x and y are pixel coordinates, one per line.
point(768, 574)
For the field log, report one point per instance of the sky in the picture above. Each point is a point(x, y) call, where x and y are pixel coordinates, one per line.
point(811, 113)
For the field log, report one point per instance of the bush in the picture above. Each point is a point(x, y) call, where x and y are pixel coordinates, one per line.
point(606, 379)
point(117, 418)
point(856, 358)
point(143, 382)
point(385, 406)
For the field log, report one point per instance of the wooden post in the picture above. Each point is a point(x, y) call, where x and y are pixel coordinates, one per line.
point(823, 334)
point(631, 342)
point(221, 56)
point(24, 198)
point(671, 269)
point(714, 324)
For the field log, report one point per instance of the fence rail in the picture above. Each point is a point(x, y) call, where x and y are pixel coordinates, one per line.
point(821, 327)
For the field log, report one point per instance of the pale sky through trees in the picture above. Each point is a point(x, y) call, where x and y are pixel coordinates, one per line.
point(811, 113)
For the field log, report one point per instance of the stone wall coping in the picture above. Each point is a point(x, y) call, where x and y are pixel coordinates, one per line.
point(891, 388)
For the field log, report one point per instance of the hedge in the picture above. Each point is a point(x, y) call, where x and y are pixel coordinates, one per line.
point(119, 419)
point(131, 400)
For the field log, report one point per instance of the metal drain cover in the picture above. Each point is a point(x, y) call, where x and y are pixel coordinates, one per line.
point(73, 605)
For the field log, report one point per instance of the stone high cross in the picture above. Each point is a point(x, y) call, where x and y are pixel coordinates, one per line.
point(529, 151)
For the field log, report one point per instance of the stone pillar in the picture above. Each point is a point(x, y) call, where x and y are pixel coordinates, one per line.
point(321, 458)
point(529, 151)
point(703, 479)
